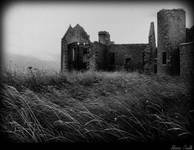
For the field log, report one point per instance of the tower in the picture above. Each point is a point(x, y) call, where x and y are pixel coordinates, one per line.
point(104, 37)
point(171, 32)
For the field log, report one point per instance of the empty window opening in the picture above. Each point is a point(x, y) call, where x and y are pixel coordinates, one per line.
point(111, 61)
point(163, 57)
point(73, 54)
point(155, 68)
point(112, 58)
point(128, 64)
point(127, 60)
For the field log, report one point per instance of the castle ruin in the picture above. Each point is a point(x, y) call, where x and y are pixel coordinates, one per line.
point(173, 55)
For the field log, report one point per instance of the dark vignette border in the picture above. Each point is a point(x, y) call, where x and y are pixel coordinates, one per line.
point(4, 4)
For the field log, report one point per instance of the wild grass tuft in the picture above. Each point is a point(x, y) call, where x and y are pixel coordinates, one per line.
point(95, 107)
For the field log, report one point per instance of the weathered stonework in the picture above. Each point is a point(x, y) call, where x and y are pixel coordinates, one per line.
point(187, 60)
point(147, 58)
point(150, 53)
point(73, 35)
point(76, 34)
point(172, 56)
point(104, 37)
point(190, 34)
point(122, 52)
point(171, 32)
point(92, 60)
point(102, 55)
point(99, 52)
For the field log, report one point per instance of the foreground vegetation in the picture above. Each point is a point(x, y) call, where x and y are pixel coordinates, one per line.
point(95, 107)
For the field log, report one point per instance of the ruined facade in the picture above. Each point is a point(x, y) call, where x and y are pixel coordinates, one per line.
point(79, 53)
point(173, 55)
point(75, 47)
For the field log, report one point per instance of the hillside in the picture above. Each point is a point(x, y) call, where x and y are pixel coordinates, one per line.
point(19, 63)
point(96, 107)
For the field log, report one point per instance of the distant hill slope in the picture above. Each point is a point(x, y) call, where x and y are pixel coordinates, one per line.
point(20, 63)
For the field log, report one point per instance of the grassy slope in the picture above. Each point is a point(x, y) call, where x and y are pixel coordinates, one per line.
point(95, 106)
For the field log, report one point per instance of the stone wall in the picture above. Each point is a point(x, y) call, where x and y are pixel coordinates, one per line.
point(103, 55)
point(147, 60)
point(171, 32)
point(187, 60)
point(92, 59)
point(99, 51)
point(64, 56)
point(124, 51)
point(150, 53)
point(104, 37)
point(75, 34)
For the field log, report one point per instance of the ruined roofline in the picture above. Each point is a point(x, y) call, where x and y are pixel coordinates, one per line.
point(68, 30)
point(151, 31)
point(103, 32)
point(96, 42)
point(132, 44)
point(78, 26)
point(187, 43)
point(170, 10)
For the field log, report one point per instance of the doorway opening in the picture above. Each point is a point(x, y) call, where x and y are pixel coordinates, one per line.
point(128, 64)
point(111, 61)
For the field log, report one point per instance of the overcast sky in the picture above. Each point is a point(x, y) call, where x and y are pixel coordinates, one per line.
point(36, 29)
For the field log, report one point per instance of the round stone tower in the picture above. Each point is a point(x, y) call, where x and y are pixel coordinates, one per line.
point(171, 32)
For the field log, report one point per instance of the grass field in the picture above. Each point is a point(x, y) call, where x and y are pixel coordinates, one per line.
point(95, 107)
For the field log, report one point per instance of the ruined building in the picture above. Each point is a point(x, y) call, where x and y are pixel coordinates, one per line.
point(173, 55)
point(79, 53)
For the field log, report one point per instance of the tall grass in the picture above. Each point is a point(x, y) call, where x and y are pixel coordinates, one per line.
point(95, 107)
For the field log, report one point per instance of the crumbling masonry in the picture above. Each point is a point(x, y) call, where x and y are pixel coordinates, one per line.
point(173, 55)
